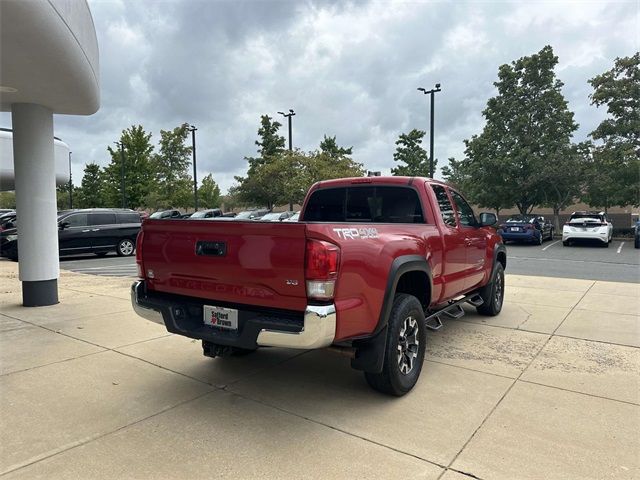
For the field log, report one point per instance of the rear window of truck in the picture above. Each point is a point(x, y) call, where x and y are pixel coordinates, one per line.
point(365, 204)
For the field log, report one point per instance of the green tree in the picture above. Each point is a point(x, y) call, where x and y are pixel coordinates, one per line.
point(171, 169)
point(527, 124)
point(270, 142)
point(209, 193)
point(329, 146)
point(8, 200)
point(481, 186)
point(257, 187)
point(563, 177)
point(410, 152)
point(614, 176)
point(91, 193)
point(138, 172)
point(62, 197)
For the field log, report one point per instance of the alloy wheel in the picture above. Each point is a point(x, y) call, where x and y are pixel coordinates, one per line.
point(126, 247)
point(408, 345)
point(497, 291)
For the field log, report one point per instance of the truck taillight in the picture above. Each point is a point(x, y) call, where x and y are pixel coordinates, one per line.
point(321, 269)
point(139, 254)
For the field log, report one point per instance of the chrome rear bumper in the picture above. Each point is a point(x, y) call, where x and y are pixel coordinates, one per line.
point(319, 328)
point(148, 313)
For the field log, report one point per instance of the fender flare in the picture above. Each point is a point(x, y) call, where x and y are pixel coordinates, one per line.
point(400, 266)
point(370, 351)
point(498, 248)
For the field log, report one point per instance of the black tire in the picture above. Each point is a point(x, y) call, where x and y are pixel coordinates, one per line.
point(125, 247)
point(606, 244)
point(636, 242)
point(404, 350)
point(565, 243)
point(493, 293)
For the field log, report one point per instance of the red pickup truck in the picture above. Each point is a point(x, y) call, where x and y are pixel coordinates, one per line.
point(372, 265)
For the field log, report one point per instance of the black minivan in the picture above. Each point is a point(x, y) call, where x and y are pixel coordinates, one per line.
point(92, 230)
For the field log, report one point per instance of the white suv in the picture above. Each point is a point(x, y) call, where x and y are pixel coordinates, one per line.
point(587, 226)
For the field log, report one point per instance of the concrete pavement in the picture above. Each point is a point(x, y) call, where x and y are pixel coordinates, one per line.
point(548, 389)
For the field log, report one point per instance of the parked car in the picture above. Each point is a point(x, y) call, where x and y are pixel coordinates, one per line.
point(229, 215)
point(251, 214)
point(377, 262)
point(526, 228)
point(6, 210)
point(166, 214)
point(8, 220)
point(211, 213)
point(636, 235)
point(95, 230)
point(276, 216)
point(590, 226)
point(293, 218)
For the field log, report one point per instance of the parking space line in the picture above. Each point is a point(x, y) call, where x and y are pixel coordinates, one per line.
point(550, 245)
point(620, 248)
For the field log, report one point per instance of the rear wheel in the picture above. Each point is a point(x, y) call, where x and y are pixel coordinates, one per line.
point(565, 243)
point(125, 247)
point(493, 293)
point(404, 350)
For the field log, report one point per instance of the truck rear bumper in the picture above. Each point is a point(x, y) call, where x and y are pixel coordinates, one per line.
point(316, 329)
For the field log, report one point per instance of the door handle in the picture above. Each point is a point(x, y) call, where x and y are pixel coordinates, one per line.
point(468, 242)
point(85, 231)
point(95, 230)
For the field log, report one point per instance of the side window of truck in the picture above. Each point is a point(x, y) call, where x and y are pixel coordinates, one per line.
point(465, 212)
point(446, 209)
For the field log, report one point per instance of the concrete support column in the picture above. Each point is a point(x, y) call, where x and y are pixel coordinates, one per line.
point(35, 183)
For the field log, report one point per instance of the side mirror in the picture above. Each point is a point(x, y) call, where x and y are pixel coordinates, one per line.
point(64, 225)
point(487, 219)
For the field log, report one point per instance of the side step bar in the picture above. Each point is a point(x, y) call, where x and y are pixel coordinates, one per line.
point(452, 310)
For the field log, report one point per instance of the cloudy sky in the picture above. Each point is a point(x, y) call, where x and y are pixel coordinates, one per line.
point(348, 69)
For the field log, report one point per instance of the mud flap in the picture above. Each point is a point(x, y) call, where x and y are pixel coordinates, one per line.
point(370, 353)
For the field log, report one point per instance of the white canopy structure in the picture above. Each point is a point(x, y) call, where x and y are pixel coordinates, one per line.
point(48, 64)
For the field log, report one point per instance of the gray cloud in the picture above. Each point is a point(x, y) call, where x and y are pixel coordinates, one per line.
point(348, 69)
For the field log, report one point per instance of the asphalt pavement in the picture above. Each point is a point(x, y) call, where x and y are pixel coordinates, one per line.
point(619, 262)
point(110, 265)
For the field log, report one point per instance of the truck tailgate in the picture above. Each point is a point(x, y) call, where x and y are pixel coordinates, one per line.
point(232, 262)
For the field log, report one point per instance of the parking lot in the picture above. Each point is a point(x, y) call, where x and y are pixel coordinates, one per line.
point(547, 389)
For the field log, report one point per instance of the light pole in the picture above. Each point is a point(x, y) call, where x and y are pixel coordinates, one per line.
point(288, 116)
point(124, 198)
point(70, 185)
point(432, 93)
point(193, 129)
